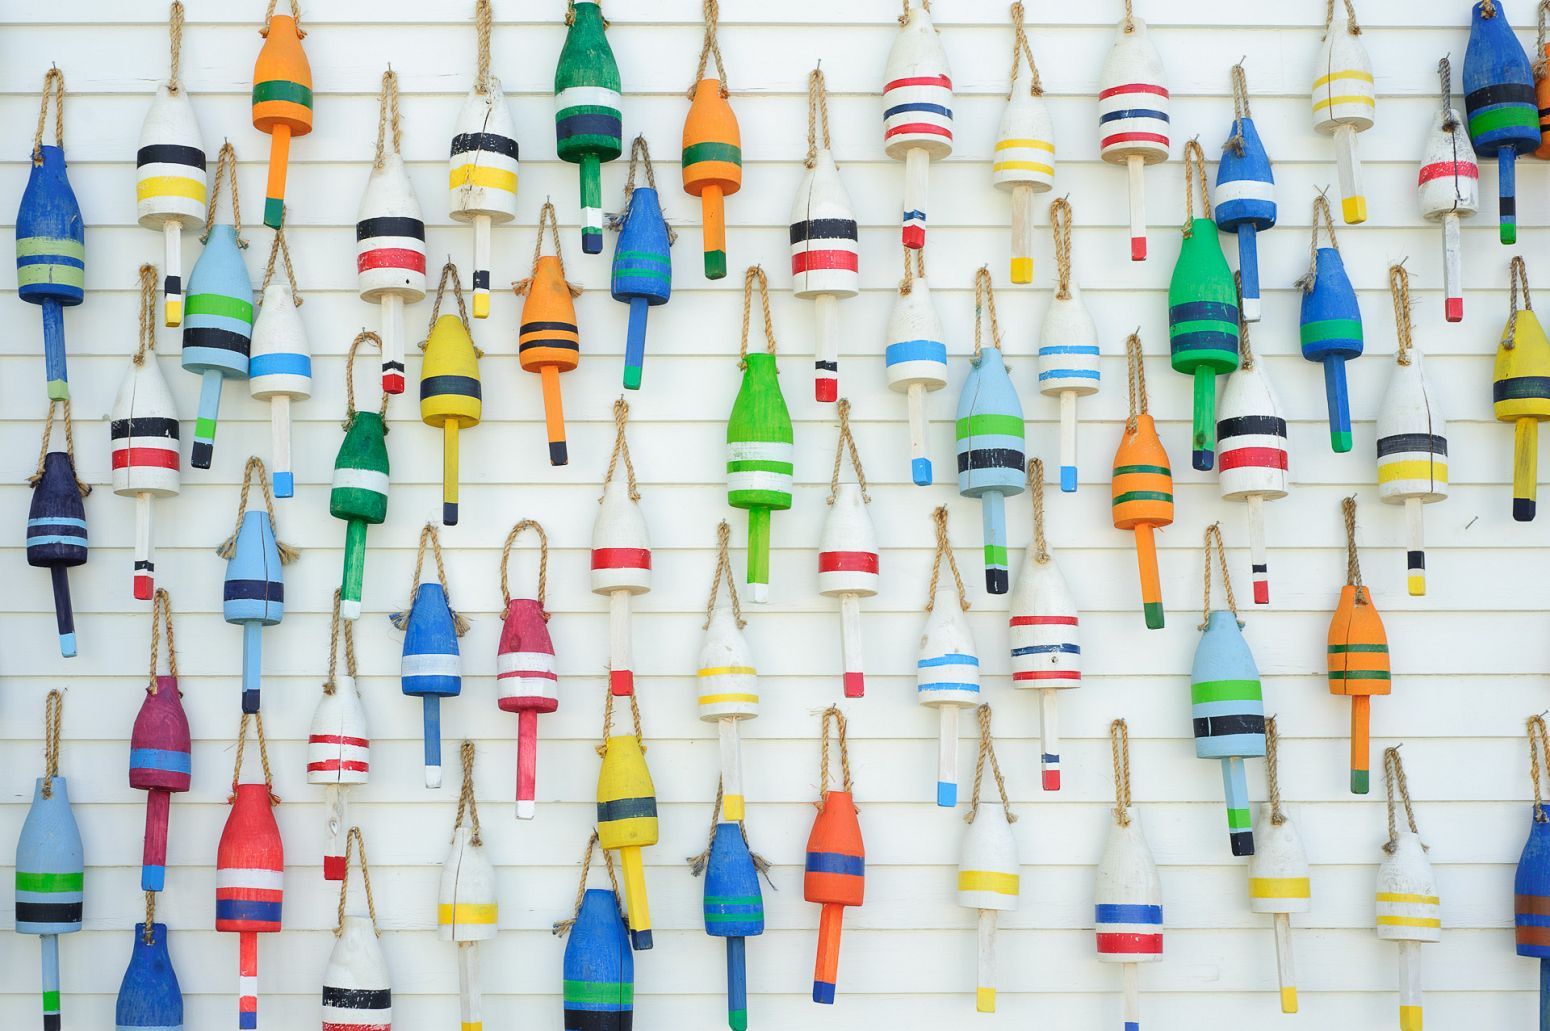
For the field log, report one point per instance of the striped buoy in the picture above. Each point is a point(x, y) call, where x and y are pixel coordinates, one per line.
point(834, 875)
point(450, 396)
point(1128, 909)
point(466, 908)
point(627, 822)
point(526, 671)
point(171, 187)
point(280, 369)
point(1343, 103)
point(249, 880)
point(916, 358)
point(359, 494)
point(992, 464)
point(56, 528)
point(1133, 116)
point(599, 969)
point(1358, 653)
point(1024, 160)
point(848, 570)
point(51, 240)
point(1448, 189)
point(254, 593)
point(1521, 391)
point(1409, 910)
point(357, 992)
point(149, 997)
point(824, 252)
point(1068, 344)
point(431, 668)
point(1141, 490)
point(1331, 326)
point(728, 685)
point(548, 341)
point(1245, 193)
point(712, 166)
point(587, 120)
point(1499, 101)
point(988, 867)
point(642, 272)
point(282, 102)
point(338, 746)
point(160, 763)
point(1531, 885)
point(1252, 457)
point(1278, 876)
point(947, 666)
point(734, 910)
point(482, 169)
point(621, 557)
point(917, 112)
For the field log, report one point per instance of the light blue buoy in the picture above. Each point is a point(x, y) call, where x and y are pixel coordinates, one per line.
point(253, 596)
point(217, 331)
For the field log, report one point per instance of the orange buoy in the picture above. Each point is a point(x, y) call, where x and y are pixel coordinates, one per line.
point(282, 102)
point(548, 342)
point(713, 149)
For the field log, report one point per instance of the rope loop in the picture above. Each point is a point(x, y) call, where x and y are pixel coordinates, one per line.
point(356, 838)
point(755, 274)
point(723, 571)
point(429, 535)
point(228, 547)
point(846, 439)
point(543, 564)
point(944, 549)
point(987, 751)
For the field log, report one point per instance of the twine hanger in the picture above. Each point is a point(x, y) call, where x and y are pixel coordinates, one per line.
point(1129, 20)
point(1329, 17)
point(925, 5)
point(1539, 41)
point(1517, 272)
point(331, 684)
point(570, 12)
point(1119, 747)
point(640, 157)
point(1487, 9)
point(1060, 229)
point(1214, 532)
point(1020, 50)
point(1194, 163)
point(53, 82)
point(711, 47)
point(543, 564)
point(1353, 563)
point(1245, 349)
point(723, 569)
point(1036, 492)
point(1240, 109)
point(818, 113)
point(833, 712)
point(1272, 771)
point(755, 274)
point(1538, 745)
point(562, 927)
point(466, 799)
point(621, 450)
point(1445, 74)
point(263, 760)
point(984, 297)
point(175, 27)
point(1320, 207)
point(365, 336)
point(356, 838)
point(1135, 368)
point(428, 532)
point(226, 158)
point(48, 431)
point(449, 272)
point(149, 284)
point(281, 249)
point(987, 750)
point(1394, 777)
point(53, 717)
point(295, 17)
point(943, 548)
point(387, 98)
point(1399, 290)
point(483, 22)
point(150, 919)
point(697, 864)
point(918, 269)
point(546, 215)
point(161, 615)
point(608, 724)
point(228, 547)
point(847, 438)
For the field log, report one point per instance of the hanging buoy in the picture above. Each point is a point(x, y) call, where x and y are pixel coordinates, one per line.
point(728, 680)
point(51, 239)
point(947, 667)
point(1024, 161)
point(1448, 188)
point(160, 760)
point(848, 557)
point(390, 237)
point(824, 248)
point(526, 671)
point(282, 101)
point(548, 340)
point(712, 149)
point(1141, 491)
point(359, 494)
point(1358, 652)
point(988, 878)
point(1531, 885)
point(1068, 344)
point(432, 668)
point(1245, 193)
point(254, 593)
point(1278, 876)
point(734, 910)
point(1133, 116)
point(357, 993)
point(916, 356)
point(280, 362)
point(1044, 631)
point(917, 111)
point(466, 909)
point(1500, 102)
point(835, 871)
point(450, 396)
point(338, 744)
point(587, 120)
point(621, 556)
point(1127, 904)
point(171, 182)
point(482, 180)
point(1409, 910)
point(149, 998)
point(599, 969)
point(249, 873)
point(627, 816)
point(642, 273)
point(56, 523)
point(1521, 390)
point(1343, 103)
point(1331, 325)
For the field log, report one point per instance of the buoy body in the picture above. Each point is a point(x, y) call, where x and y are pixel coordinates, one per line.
point(1228, 710)
point(282, 105)
point(160, 763)
point(599, 969)
point(249, 886)
point(712, 166)
point(56, 537)
point(50, 878)
point(359, 496)
point(824, 268)
point(734, 910)
point(217, 331)
point(1343, 103)
point(917, 114)
point(621, 568)
point(947, 678)
point(1023, 165)
point(1278, 884)
point(988, 881)
point(1133, 117)
point(848, 564)
point(1331, 331)
point(1448, 189)
point(171, 187)
point(549, 343)
point(1068, 368)
point(482, 177)
point(280, 371)
point(1531, 902)
point(526, 683)
point(1358, 667)
point(759, 462)
point(390, 257)
point(1410, 913)
point(1500, 104)
point(642, 274)
point(728, 694)
point(915, 359)
point(432, 668)
point(357, 992)
point(1128, 904)
point(51, 258)
point(1412, 454)
point(1253, 458)
point(149, 998)
point(1246, 203)
point(627, 821)
point(1046, 642)
point(1141, 499)
point(991, 455)
point(450, 398)
point(834, 877)
point(1520, 392)
point(466, 913)
point(253, 596)
point(1203, 328)
point(143, 428)
point(338, 755)
point(587, 119)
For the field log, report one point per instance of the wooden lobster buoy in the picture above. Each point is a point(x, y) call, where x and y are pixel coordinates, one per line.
point(254, 593)
point(282, 102)
point(1278, 876)
point(734, 910)
point(548, 340)
point(450, 396)
point(467, 911)
point(1253, 457)
point(1128, 904)
point(947, 666)
point(149, 998)
point(627, 822)
point(1448, 189)
point(1141, 491)
point(160, 760)
point(1024, 162)
point(280, 364)
point(1542, 96)
point(642, 273)
point(848, 558)
point(760, 448)
point(171, 187)
point(1408, 908)
point(1068, 344)
point(1358, 653)
point(390, 239)
point(1331, 326)
point(1133, 116)
point(359, 494)
point(51, 240)
point(1343, 103)
point(824, 247)
point(621, 557)
point(988, 878)
point(357, 991)
point(835, 872)
point(1226, 702)
point(1521, 391)
point(1044, 631)
point(50, 864)
point(249, 879)
point(526, 671)
point(916, 358)
point(991, 461)
point(1245, 193)
point(587, 121)
point(1412, 437)
point(728, 679)
point(1531, 885)
point(1500, 102)
point(599, 970)
point(432, 668)
point(1202, 312)
point(712, 167)
point(917, 112)
point(482, 178)
point(56, 527)
point(338, 746)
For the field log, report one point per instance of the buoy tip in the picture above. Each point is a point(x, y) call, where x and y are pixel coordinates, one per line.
point(1051, 779)
point(559, 454)
point(153, 878)
point(1154, 614)
point(1523, 510)
point(1262, 592)
point(67, 645)
point(920, 471)
point(1022, 270)
point(1359, 782)
point(823, 992)
point(855, 685)
point(1202, 460)
point(946, 794)
point(433, 776)
point(1068, 479)
point(1138, 248)
point(392, 382)
point(621, 683)
point(1289, 999)
point(591, 242)
point(1453, 309)
point(640, 941)
point(274, 212)
point(984, 1000)
point(1353, 210)
point(284, 485)
point(526, 808)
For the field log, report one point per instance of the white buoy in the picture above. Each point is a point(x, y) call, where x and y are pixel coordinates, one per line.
point(482, 181)
point(916, 357)
point(728, 694)
point(1133, 117)
point(621, 568)
point(280, 371)
point(917, 113)
point(824, 267)
point(1278, 884)
point(1343, 103)
point(172, 185)
point(988, 882)
point(848, 570)
point(1024, 165)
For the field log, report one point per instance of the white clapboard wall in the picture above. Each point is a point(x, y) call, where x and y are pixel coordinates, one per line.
point(1468, 659)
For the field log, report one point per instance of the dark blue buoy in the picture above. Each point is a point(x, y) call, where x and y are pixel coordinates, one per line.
point(432, 668)
point(56, 536)
point(1332, 335)
point(1499, 102)
point(599, 967)
point(734, 910)
point(1246, 203)
point(1531, 904)
point(51, 257)
point(149, 998)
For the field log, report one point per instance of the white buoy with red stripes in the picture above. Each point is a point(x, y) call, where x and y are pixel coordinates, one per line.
point(1252, 453)
point(848, 570)
point(1133, 117)
point(1448, 189)
point(621, 558)
point(917, 112)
